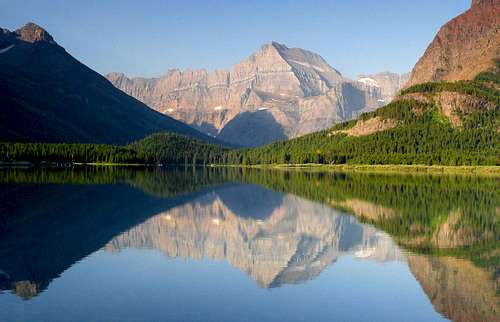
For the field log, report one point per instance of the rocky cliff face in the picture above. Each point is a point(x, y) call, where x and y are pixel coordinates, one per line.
point(463, 47)
point(276, 239)
point(32, 33)
point(389, 83)
point(275, 94)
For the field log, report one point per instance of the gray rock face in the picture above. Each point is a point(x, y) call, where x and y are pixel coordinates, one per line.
point(389, 83)
point(292, 92)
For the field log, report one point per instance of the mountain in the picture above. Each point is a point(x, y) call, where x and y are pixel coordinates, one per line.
point(449, 115)
point(389, 83)
point(49, 96)
point(275, 94)
point(465, 46)
point(434, 123)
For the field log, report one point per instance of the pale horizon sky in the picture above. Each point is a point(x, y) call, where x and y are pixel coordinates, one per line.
point(147, 38)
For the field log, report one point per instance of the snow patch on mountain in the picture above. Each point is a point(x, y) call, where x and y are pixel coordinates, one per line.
point(4, 50)
point(305, 64)
point(368, 81)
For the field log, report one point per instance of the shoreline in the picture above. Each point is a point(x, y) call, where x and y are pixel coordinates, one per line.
point(364, 168)
point(381, 168)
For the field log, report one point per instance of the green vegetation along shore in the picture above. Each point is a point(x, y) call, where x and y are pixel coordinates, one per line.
point(420, 130)
point(386, 168)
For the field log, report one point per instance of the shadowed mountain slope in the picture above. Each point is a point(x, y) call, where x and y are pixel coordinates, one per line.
point(46, 95)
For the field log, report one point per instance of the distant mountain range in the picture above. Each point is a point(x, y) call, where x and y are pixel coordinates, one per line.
point(275, 94)
point(46, 95)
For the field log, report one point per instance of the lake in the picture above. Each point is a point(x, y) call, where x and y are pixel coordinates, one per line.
point(227, 244)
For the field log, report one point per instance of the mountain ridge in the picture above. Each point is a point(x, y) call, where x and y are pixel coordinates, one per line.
point(463, 47)
point(294, 90)
point(49, 96)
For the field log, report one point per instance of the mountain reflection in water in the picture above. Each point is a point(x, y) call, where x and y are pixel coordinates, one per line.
point(278, 227)
point(275, 238)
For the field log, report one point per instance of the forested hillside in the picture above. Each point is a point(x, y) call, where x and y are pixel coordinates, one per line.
point(434, 123)
point(170, 148)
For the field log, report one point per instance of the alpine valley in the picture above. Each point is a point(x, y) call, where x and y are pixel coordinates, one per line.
point(288, 104)
point(276, 190)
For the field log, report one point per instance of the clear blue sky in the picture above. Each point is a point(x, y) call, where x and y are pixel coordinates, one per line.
point(146, 38)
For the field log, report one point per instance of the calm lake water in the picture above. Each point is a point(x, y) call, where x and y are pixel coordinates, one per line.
point(118, 244)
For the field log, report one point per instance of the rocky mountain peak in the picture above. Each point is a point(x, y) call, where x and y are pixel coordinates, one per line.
point(274, 94)
point(277, 45)
point(463, 47)
point(32, 33)
point(304, 61)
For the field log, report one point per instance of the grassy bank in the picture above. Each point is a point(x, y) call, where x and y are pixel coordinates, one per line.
point(377, 168)
point(110, 164)
point(382, 168)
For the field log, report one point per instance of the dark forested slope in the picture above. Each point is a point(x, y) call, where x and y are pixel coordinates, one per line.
point(46, 95)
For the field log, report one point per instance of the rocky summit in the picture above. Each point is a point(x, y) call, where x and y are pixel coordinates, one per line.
point(275, 94)
point(464, 47)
